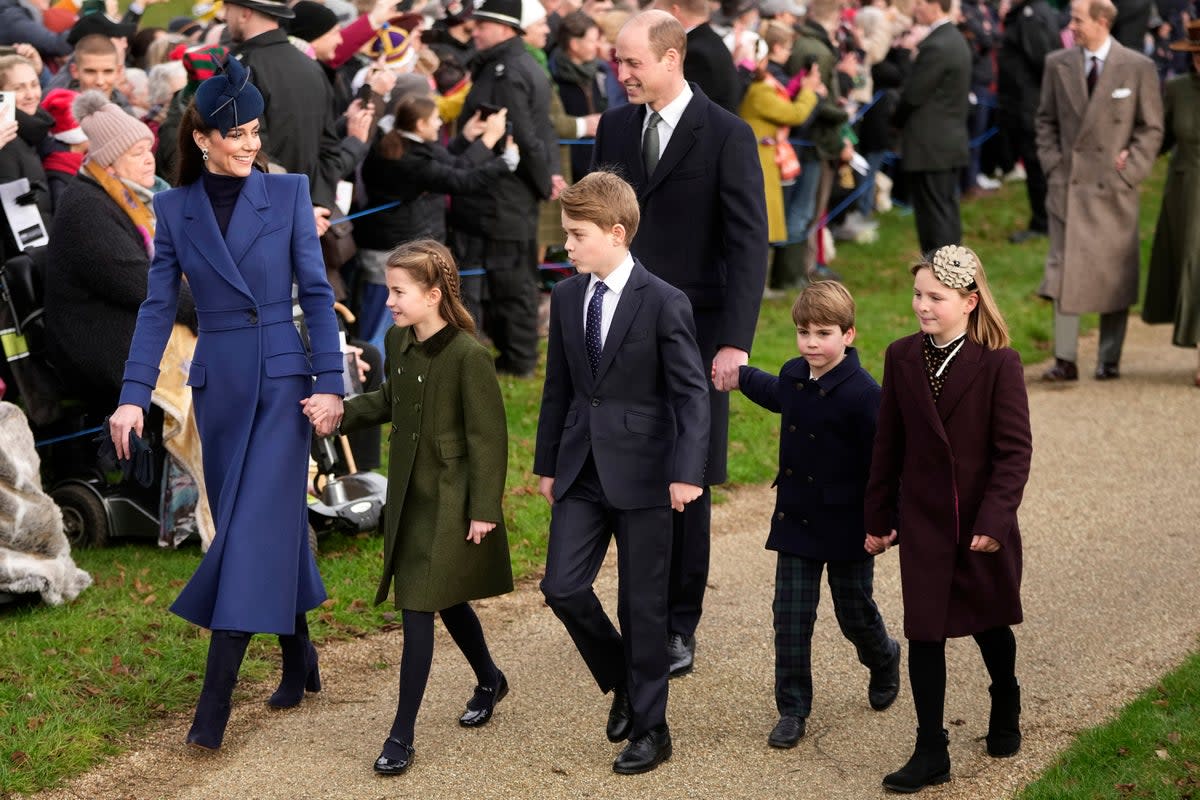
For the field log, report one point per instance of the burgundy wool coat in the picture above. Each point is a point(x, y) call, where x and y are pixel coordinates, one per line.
point(943, 472)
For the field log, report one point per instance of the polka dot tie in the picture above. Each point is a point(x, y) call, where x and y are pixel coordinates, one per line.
point(591, 330)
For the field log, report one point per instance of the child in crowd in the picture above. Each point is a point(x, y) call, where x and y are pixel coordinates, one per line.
point(444, 542)
point(829, 404)
point(622, 439)
point(408, 166)
point(950, 463)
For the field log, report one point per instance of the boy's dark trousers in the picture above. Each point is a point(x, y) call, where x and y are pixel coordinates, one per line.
point(581, 523)
point(797, 593)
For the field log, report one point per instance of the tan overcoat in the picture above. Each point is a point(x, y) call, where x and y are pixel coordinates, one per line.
point(1092, 207)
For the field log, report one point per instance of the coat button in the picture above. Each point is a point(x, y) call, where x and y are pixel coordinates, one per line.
point(800, 386)
point(414, 437)
point(821, 393)
point(595, 402)
point(252, 316)
point(803, 522)
point(812, 436)
point(587, 437)
point(779, 515)
point(810, 478)
point(791, 428)
point(787, 471)
point(416, 406)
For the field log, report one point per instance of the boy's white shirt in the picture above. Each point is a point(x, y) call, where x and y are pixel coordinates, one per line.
point(615, 282)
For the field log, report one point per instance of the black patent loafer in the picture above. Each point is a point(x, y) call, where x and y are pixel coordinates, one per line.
point(483, 704)
point(395, 766)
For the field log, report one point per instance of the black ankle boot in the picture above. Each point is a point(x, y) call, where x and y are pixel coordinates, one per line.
point(225, 652)
point(300, 669)
point(1004, 723)
point(929, 765)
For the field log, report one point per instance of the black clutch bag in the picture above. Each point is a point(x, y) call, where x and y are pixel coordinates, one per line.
point(138, 467)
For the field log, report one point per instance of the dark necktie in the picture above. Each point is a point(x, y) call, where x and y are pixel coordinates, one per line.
point(1093, 75)
point(591, 330)
point(650, 143)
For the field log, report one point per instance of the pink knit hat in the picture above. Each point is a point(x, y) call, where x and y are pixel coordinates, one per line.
point(110, 130)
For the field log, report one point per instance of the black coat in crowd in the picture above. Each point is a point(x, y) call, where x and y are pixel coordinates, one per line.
point(932, 112)
point(299, 131)
point(1132, 23)
point(1031, 32)
point(420, 180)
point(980, 30)
point(709, 64)
point(20, 159)
point(875, 131)
point(508, 77)
point(99, 281)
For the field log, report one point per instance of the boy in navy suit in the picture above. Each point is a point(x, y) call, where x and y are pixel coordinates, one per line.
point(830, 405)
point(622, 440)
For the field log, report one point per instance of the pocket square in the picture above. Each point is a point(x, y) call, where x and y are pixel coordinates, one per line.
point(1121, 94)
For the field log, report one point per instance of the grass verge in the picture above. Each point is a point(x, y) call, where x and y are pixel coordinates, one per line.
point(76, 682)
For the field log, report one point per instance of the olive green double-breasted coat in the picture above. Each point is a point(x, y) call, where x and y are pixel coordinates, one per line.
point(448, 459)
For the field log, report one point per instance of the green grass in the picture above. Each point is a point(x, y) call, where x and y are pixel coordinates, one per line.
point(77, 681)
point(1150, 750)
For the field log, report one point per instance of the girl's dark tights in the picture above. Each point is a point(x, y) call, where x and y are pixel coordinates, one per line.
point(417, 657)
point(927, 671)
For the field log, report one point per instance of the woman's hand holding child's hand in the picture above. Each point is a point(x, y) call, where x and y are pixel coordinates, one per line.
point(324, 411)
point(479, 529)
point(877, 544)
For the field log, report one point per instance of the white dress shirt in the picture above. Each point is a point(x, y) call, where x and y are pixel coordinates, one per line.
point(671, 114)
point(615, 282)
point(1100, 55)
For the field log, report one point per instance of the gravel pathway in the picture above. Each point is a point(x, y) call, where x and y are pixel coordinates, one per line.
point(1109, 522)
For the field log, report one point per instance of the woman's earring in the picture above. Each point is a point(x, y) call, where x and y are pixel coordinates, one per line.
point(204, 153)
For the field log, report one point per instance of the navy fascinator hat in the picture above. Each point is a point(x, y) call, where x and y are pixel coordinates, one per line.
point(228, 99)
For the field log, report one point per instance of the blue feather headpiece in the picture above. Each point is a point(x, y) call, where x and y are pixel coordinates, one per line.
point(228, 99)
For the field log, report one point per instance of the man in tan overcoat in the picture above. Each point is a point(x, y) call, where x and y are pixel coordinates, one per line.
point(1099, 126)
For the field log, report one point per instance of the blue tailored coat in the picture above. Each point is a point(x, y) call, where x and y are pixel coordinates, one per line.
point(826, 434)
point(249, 373)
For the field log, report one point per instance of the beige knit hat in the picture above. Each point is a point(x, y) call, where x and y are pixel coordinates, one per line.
point(110, 130)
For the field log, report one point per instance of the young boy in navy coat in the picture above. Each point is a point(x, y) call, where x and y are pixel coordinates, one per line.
point(622, 440)
point(830, 405)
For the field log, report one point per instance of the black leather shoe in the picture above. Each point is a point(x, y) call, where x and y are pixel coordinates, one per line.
point(681, 654)
point(787, 732)
point(1020, 237)
point(394, 766)
point(645, 752)
point(1061, 372)
point(620, 716)
point(1107, 372)
point(1004, 721)
point(483, 703)
point(885, 683)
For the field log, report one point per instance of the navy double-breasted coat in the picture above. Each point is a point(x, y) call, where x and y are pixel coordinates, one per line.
point(249, 373)
point(826, 434)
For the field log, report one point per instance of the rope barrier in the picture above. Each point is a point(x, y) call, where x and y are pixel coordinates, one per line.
point(68, 436)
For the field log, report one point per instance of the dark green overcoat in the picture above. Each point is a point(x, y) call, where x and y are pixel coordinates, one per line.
point(1173, 287)
point(448, 459)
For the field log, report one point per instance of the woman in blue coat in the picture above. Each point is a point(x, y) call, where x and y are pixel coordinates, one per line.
point(242, 239)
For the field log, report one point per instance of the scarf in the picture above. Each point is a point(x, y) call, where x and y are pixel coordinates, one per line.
point(139, 214)
point(583, 76)
point(785, 154)
point(539, 55)
point(63, 161)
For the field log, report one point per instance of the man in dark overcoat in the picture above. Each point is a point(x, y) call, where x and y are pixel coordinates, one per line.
point(932, 117)
point(497, 231)
point(708, 62)
point(695, 169)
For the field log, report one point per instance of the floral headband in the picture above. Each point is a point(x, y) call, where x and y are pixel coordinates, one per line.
point(955, 266)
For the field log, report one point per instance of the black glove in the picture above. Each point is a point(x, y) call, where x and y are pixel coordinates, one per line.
point(138, 467)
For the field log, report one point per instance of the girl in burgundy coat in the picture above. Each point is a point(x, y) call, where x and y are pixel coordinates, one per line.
point(950, 463)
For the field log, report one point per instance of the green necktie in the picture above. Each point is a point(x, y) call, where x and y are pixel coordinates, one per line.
point(650, 143)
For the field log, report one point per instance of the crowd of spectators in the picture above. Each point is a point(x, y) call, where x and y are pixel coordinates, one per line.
point(463, 121)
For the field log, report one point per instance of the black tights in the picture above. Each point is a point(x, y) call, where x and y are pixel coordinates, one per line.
point(927, 671)
point(417, 657)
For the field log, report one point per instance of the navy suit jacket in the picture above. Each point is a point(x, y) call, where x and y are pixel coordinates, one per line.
point(644, 415)
point(827, 430)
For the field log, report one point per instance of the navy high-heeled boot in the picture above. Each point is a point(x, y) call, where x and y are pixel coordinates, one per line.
point(300, 670)
point(226, 649)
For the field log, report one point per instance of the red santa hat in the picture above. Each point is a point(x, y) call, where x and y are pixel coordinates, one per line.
point(66, 128)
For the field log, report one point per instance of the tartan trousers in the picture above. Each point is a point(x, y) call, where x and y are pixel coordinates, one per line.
point(797, 593)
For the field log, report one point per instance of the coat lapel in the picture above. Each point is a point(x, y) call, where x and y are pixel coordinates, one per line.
point(686, 134)
point(627, 308)
point(202, 231)
point(959, 376)
point(249, 216)
point(1110, 78)
point(1073, 75)
point(918, 385)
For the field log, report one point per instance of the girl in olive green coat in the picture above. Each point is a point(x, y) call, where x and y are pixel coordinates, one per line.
point(444, 542)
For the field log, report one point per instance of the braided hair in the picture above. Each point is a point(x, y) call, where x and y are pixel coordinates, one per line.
point(429, 264)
